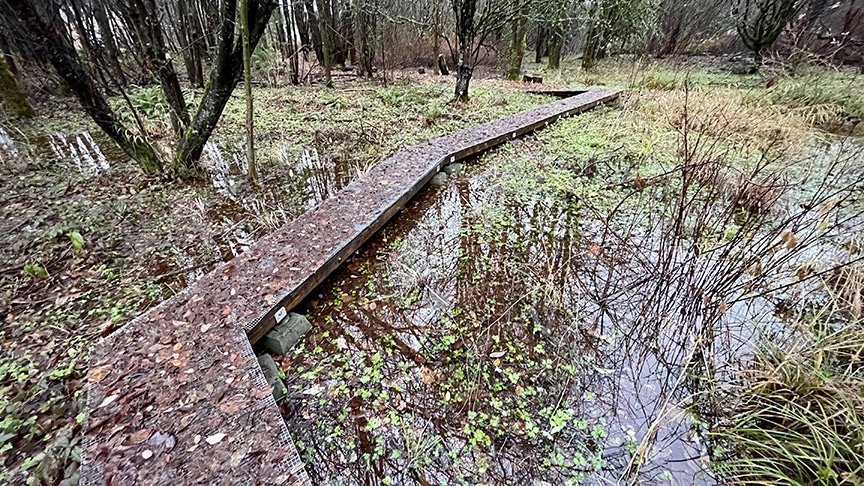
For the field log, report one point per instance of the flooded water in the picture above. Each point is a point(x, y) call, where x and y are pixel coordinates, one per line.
point(461, 349)
point(487, 339)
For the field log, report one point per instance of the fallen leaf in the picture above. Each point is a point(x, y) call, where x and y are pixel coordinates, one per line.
point(429, 376)
point(215, 438)
point(226, 311)
point(108, 401)
point(98, 374)
point(259, 393)
point(723, 307)
point(373, 306)
point(594, 249)
point(147, 454)
point(497, 354)
point(140, 436)
point(232, 405)
point(237, 458)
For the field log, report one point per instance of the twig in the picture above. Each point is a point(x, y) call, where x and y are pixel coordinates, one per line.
point(187, 269)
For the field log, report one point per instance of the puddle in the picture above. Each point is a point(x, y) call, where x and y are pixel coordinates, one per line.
point(7, 145)
point(292, 180)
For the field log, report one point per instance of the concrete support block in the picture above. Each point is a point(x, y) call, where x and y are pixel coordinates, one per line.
point(453, 169)
point(286, 334)
point(439, 179)
point(271, 373)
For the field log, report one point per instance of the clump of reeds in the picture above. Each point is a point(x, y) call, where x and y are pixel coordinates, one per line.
point(798, 417)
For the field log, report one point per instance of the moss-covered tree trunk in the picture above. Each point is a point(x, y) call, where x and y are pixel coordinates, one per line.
point(327, 29)
point(48, 41)
point(517, 43)
point(14, 101)
point(589, 52)
point(226, 73)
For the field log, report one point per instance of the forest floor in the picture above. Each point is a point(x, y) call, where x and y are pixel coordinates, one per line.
point(87, 242)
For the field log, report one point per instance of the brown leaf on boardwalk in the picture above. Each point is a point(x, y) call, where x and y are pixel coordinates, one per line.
point(233, 404)
point(259, 393)
point(140, 436)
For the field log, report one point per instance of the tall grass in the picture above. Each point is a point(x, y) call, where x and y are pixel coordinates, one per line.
point(798, 416)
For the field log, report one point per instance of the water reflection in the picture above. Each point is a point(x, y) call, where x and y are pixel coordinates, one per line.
point(292, 180)
point(81, 151)
point(7, 145)
point(499, 338)
point(466, 350)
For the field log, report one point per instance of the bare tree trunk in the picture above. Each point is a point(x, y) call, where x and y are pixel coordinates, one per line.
point(464, 10)
point(315, 33)
point(290, 17)
point(188, 37)
point(46, 42)
point(75, 17)
point(593, 38)
point(224, 76)
point(538, 44)
point(301, 21)
point(325, 25)
point(436, 35)
point(143, 17)
point(556, 41)
point(107, 35)
point(363, 27)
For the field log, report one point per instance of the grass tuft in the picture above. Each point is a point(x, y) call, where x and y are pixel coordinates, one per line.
point(799, 417)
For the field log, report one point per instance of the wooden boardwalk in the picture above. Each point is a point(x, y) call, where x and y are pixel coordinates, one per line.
point(177, 397)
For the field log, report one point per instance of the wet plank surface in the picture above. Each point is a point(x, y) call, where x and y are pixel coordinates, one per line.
point(177, 397)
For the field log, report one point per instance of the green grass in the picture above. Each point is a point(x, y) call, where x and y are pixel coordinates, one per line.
point(798, 418)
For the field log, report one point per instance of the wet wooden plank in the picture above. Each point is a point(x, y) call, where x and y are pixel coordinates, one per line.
point(176, 396)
